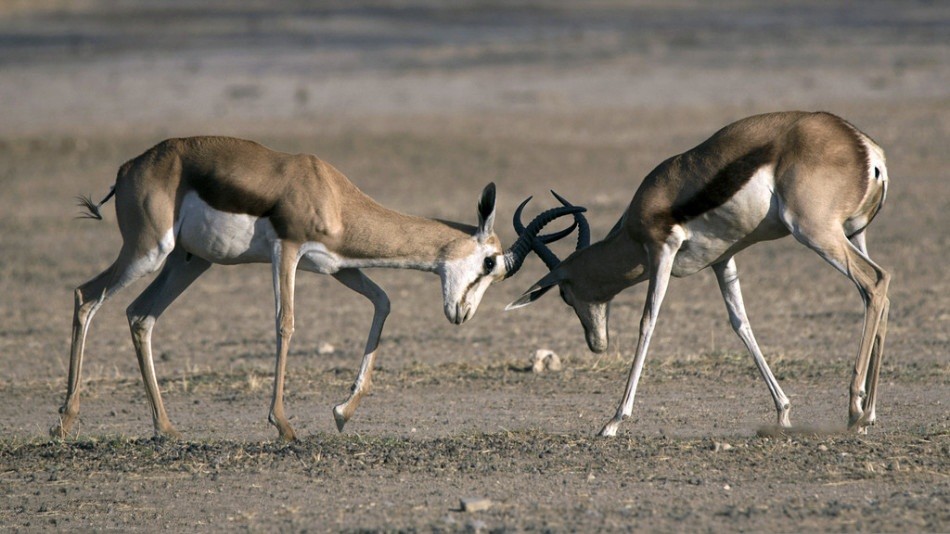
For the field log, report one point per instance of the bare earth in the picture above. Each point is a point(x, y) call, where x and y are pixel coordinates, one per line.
point(421, 105)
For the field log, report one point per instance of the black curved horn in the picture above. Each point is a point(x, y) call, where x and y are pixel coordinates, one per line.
point(546, 238)
point(583, 232)
point(538, 243)
point(516, 254)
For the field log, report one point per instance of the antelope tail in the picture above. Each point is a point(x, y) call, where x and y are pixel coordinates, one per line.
point(90, 210)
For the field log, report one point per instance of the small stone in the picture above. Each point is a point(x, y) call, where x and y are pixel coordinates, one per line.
point(476, 526)
point(326, 348)
point(545, 360)
point(721, 446)
point(822, 447)
point(475, 504)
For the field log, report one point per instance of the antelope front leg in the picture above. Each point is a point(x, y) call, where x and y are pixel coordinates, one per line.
point(359, 282)
point(728, 277)
point(662, 265)
point(285, 267)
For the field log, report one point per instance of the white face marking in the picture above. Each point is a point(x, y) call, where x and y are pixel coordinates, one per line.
point(223, 237)
point(710, 235)
point(464, 282)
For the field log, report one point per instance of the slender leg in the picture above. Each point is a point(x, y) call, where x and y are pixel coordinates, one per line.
point(877, 351)
point(131, 265)
point(661, 264)
point(359, 282)
point(872, 283)
point(177, 274)
point(728, 276)
point(877, 354)
point(286, 256)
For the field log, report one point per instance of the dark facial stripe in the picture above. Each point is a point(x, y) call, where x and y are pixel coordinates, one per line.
point(469, 288)
point(724, 184)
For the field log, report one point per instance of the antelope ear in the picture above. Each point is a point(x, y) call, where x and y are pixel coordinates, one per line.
point(486, 213)
point(537, 290)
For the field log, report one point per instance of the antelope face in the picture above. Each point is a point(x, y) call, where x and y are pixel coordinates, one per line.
point(593, 316)
point(592, 313)
point(472, 264)
point(465, 279)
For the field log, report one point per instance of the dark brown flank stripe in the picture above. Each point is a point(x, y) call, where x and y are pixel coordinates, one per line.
point(224, 196)
point(724, 185)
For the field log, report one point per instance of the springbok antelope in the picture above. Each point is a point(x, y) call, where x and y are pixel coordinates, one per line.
point(193, 202)
point(813, 175)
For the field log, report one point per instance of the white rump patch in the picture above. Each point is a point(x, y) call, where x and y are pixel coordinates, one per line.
point(877, 164)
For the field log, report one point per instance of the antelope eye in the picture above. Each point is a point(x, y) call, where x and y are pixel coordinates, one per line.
point(489, 264)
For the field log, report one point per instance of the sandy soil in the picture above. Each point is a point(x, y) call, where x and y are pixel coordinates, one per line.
point(421, 105)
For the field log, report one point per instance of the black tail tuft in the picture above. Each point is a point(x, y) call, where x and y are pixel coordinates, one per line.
point(91, 209)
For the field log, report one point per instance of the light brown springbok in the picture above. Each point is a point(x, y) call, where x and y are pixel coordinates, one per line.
point(813, 175)
point(190, 203)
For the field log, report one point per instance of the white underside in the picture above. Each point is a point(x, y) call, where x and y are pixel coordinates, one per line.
point(232, 238)
point(752, 210)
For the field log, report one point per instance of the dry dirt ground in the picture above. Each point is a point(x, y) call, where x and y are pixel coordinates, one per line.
point(421, 104)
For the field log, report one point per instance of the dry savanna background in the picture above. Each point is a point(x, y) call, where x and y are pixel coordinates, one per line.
point(421, 103)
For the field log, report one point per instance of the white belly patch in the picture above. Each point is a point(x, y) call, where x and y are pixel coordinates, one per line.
point(750, 211)
point(222, 237)
point(231, 238)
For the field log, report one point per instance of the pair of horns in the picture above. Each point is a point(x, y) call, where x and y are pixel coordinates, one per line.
point(529, 238)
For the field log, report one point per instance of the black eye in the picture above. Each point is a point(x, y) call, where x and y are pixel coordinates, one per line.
point(489, 264)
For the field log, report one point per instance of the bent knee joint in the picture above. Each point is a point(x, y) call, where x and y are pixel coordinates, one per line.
point(138, 322)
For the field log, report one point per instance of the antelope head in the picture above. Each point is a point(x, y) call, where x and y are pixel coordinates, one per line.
point(592, 307)
point(473, 264)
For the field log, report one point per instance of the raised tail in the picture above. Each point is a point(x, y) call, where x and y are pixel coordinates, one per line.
point(90, 208)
